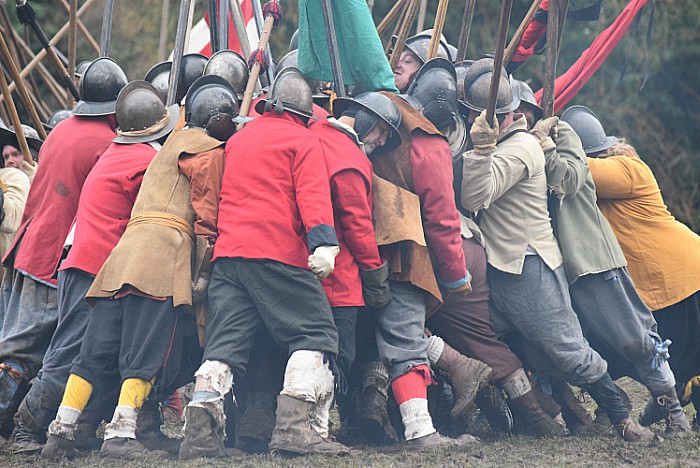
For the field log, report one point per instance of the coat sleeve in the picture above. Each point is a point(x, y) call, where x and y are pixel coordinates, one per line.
point(313, 194)
point(431, 163)
point(486, 178)
point(352, 193)
point(612, 177)
point(16, 191)
point(566, 165)
point(205, 171)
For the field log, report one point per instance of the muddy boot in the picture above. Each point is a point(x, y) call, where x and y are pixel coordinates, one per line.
point(631, 431)
point(652, 413)
point(493, 404)
point(203, 430)
point(86, 439)
point(436, 440)
point(601, 425)
point(573, 412)
point(547, 403)
point(468, 376)
point(148, 429)
point(58, 448)
point(126, 448)
point(676, 422)
point(254, 428)
point(530, 418)
point(61, 443)
point(293, 434)
point(25, 440)
point(374, 418)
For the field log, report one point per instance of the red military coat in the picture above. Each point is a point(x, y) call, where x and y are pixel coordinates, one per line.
point(65, 160)
point(274, 192)
point(350, 174)
point(106, 202)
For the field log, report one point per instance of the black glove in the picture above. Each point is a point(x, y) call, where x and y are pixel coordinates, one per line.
point(375, 286)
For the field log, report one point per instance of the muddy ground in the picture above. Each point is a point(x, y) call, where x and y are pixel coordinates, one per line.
point(491, 451)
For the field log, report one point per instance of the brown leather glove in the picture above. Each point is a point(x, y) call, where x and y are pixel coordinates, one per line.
point(483, 136)
point(545, 128)
point(375, 286)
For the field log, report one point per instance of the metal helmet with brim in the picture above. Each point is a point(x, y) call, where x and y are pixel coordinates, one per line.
point(99, 86)
point(588, 128)
point(141, 114)
point(375, 106)
point(289, 92)
point(230, 66)
point(477, 82)
point(212, 105)
point(435, 87)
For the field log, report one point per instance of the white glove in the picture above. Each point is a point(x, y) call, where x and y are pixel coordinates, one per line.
point(322, 261)
point(199, 289)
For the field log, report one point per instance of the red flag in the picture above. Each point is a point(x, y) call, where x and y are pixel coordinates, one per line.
point(568, 84)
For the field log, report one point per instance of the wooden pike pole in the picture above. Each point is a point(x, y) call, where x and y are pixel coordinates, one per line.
point(255, 69)
point(14, 118)
point(391, 16)
point(515, 41)
point(83, 29)
point(403, 29)
point(6, 58)
point(465, 30)
point(498, 60)
point(437, 28)
point(557, 10)
point(72, 43)
point(239, 26)
point(421, 15)
point(163, 38)
point(42, 53)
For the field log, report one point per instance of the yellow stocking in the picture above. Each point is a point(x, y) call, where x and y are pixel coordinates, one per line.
point(77, 394)
point(134, 391)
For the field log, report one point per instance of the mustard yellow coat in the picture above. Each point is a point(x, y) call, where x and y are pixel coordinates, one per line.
point(663, 255)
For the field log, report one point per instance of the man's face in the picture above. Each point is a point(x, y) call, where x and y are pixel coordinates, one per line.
point(529, 115)
point(407, 67)
point(12, 156)
point(377, 137)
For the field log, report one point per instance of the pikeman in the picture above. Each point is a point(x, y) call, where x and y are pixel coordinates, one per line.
point(275, 209)
point(103, 211)
point(158, 269)
point(29, 289)
point(504, 177)
point(463, 320)
point(412, 162)
point(414, 56)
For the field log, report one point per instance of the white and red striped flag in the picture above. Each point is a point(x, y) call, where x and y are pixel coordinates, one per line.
point(199, 36)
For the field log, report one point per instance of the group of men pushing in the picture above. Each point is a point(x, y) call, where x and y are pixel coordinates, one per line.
point(290, 235)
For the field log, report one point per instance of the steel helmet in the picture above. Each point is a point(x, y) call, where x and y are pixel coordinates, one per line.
point(99, 87)
point(212, 105)
point(435, 87)
point(230, 66)
point(477, 81)
point(369, 107)
point(588, 128)
point(289, 92)
point(141, 114)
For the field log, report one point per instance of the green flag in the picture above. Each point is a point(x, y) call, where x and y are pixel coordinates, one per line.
point(362, 56)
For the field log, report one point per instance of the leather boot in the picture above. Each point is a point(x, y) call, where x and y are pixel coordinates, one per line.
point(204, 431)
point(59, 448)
point(676, 422)
point(374, 418)
point(148, 429)
point(468, 377)
point(493, 404)
point(25, 440)
point(293, 434)
point(601, 425)
point(652, 413)
point(631, 431)
point(126, 448)
point(437, 440)
point(531, 420)
point(255, 426)
point(573, 412)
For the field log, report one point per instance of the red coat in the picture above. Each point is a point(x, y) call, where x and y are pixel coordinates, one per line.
point(350, 174)
point(431, 162)
point(66, 157)
point(105, 204)
point(275, 192)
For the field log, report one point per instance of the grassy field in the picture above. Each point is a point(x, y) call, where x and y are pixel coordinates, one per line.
point(509, 451)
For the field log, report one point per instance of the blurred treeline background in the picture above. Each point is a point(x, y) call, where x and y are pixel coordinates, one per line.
point(661, 119)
